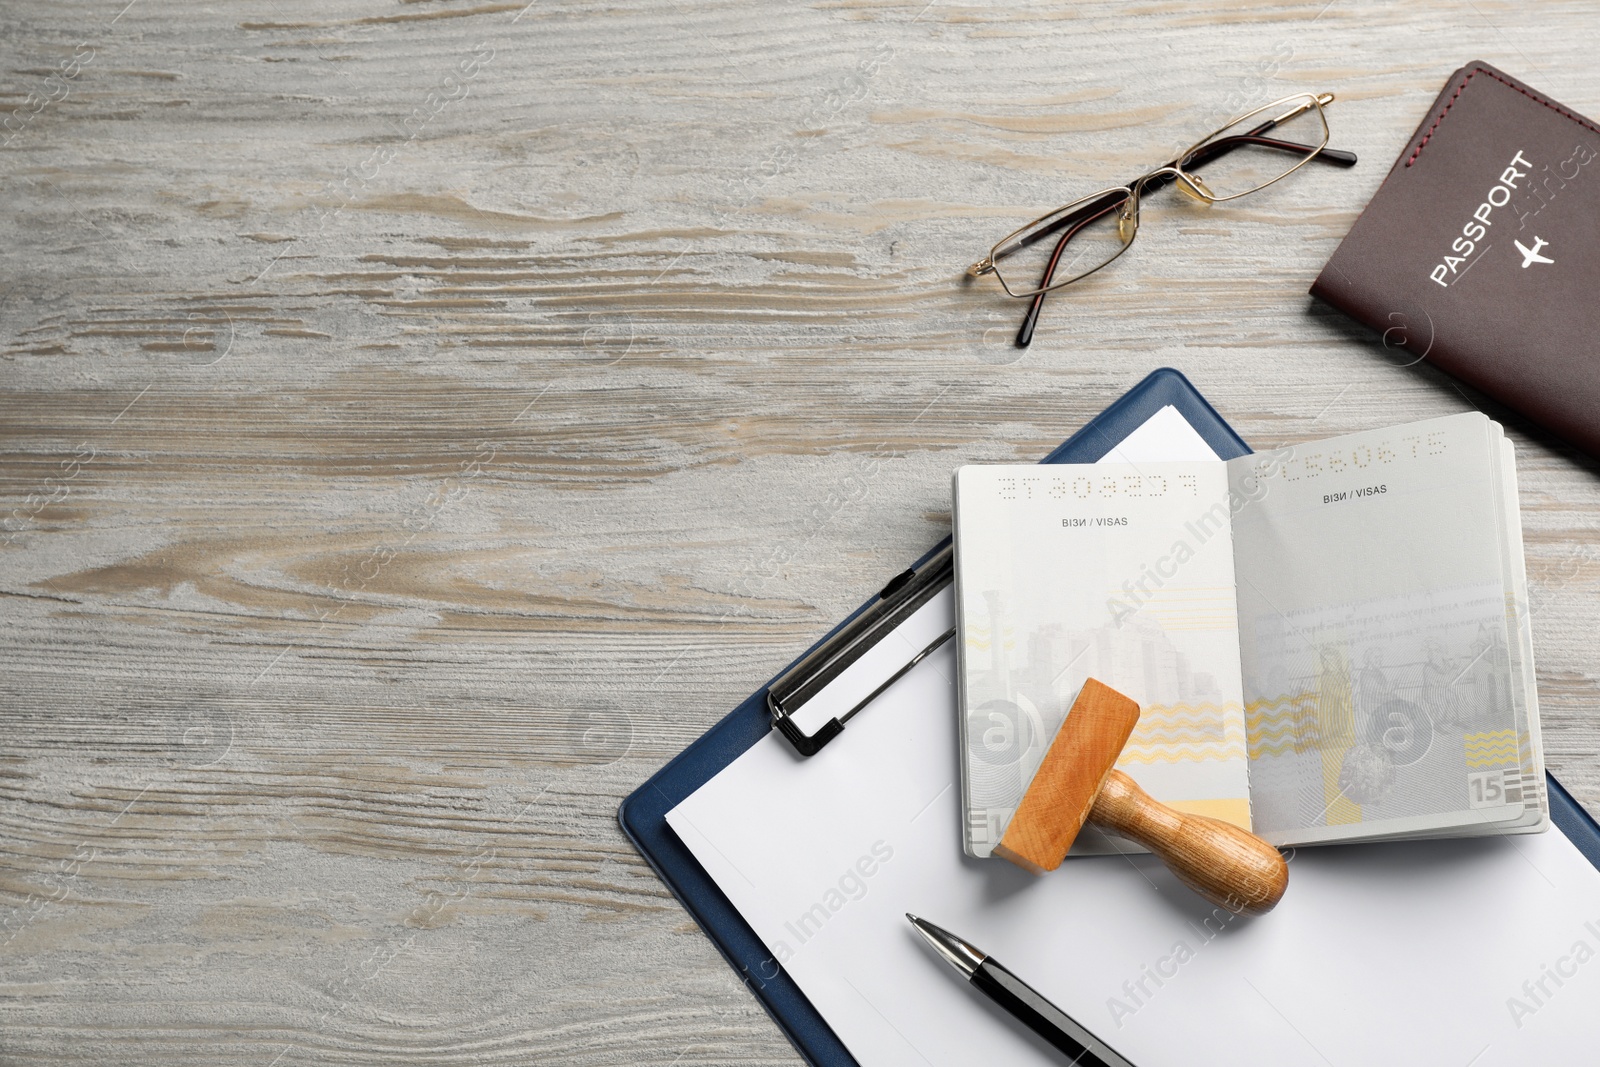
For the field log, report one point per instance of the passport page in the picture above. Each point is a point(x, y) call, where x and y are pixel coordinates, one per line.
point(1388, 687)
point(1117, 571)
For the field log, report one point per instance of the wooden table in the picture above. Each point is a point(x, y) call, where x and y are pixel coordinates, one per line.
point(423, 419)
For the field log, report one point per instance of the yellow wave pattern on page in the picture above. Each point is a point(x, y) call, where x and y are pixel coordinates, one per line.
point(1282, 725)
point(1335, 732)
point(1186, 733)
point(1494, 748)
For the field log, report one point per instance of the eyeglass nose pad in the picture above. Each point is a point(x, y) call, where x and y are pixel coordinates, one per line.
point(1195, 189)
point(1127, 223)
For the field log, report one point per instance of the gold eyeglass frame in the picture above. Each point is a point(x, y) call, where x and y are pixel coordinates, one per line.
point(1174, 170)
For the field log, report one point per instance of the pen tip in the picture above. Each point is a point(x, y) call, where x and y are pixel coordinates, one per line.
point(911, 918)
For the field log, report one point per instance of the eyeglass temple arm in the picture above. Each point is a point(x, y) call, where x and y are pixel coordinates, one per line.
point(1221, 147)
point(1088, 212)
point(1217, 148)
point(1031, 320)
point(1224, 145)
point(1336, 156)
point(1212, 151)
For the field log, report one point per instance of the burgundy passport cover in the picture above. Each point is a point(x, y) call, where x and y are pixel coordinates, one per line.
point(1481, 251)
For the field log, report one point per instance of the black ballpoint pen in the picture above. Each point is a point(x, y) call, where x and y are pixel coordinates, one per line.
point(1020, 999)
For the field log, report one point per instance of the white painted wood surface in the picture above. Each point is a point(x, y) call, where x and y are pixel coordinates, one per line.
point(420, 420)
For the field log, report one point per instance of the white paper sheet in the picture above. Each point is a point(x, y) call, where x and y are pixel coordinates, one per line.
point(1455, 953)
point(1393, 953)
point(1164, 437)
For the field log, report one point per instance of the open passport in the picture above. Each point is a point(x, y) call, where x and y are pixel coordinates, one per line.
point(1328, 642)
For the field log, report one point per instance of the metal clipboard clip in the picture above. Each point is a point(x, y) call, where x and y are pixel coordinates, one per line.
point(899, 600)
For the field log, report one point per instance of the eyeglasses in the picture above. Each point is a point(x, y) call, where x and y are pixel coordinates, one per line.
point(1238, 159)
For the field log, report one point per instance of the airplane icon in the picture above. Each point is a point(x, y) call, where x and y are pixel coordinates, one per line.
point(1531, 255)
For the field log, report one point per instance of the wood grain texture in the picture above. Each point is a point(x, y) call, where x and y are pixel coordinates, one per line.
point(1063, 790)
point(1226, 864)
point(420, 420)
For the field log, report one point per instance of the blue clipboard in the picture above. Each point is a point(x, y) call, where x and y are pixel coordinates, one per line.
point(643, 814)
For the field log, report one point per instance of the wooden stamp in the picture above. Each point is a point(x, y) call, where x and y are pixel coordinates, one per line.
point(1077, 782)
